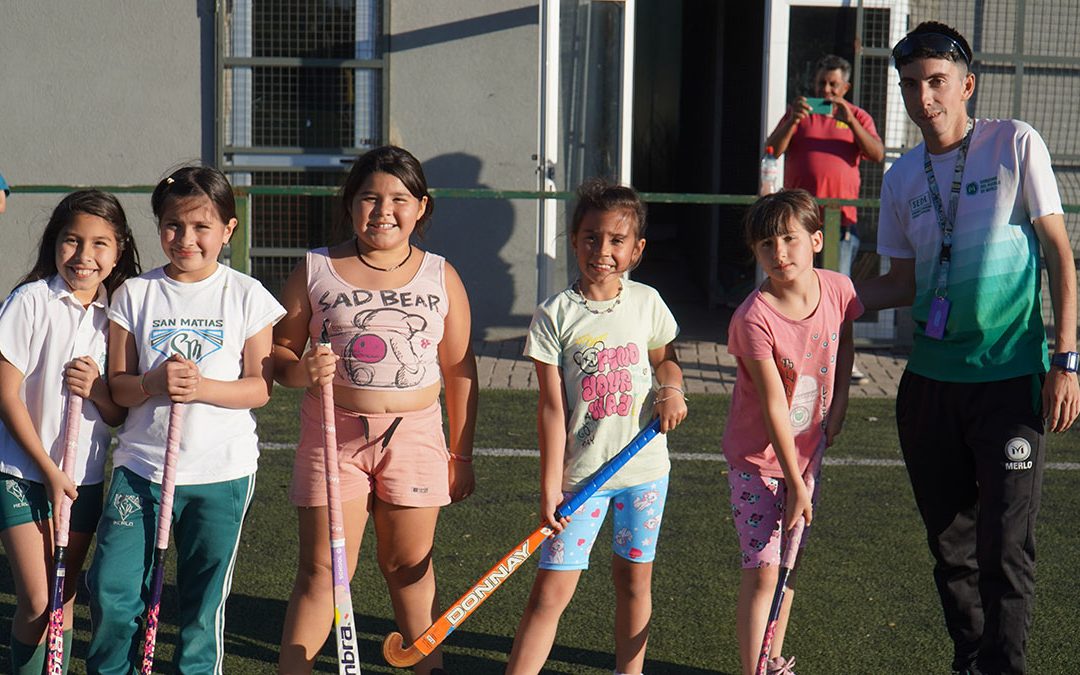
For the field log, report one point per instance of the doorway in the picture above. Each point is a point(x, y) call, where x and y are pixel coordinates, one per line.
point(697, 87)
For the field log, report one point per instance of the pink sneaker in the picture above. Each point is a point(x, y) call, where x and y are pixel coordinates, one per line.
point(781, 666)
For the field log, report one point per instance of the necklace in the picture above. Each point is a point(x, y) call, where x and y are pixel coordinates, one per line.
point(381, 269)
point(585, 302)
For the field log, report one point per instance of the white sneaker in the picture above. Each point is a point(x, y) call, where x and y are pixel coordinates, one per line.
point(857, 376)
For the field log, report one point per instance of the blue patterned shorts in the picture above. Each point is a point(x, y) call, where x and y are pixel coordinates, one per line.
point(639, 509)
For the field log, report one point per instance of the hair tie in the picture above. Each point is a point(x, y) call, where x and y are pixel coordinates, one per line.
point(170, 180)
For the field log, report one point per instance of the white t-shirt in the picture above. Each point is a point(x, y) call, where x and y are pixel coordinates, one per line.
point(208, 322)
point(995, 328)
point(607, 377)
point(43, 327)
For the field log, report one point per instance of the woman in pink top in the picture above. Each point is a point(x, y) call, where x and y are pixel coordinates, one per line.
point(792, 340)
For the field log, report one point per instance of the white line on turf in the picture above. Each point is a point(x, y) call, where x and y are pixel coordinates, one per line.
point(700, 457)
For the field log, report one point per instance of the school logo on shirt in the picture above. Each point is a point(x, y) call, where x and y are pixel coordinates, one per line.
point(17, 490)
point(972, 188)
point(193, 339)
point(126, 506)
point(920, 205)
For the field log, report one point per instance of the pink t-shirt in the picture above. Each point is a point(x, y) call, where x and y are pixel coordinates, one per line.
point(823, 158)
point(805, 354)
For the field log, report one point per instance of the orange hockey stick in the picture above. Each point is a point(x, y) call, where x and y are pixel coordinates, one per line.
point(394, 650)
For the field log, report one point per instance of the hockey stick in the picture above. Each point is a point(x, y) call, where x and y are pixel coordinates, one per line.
point(344, 622)
point(168, 484)
point(394, 650)
point(55, 641)
point(787, 563)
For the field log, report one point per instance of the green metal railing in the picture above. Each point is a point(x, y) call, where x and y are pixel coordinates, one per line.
point(240, 248)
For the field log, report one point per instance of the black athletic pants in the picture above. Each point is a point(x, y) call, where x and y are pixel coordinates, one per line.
point(975, 455)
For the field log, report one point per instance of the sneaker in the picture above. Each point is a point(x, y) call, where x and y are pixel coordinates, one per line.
point(781, 666)
point(857, 376)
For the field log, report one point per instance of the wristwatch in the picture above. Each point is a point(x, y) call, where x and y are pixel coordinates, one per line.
point(1067, 361)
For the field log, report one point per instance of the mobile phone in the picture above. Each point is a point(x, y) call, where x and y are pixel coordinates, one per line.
point(819, 106)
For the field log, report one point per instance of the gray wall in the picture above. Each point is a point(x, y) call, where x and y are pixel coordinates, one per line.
point(102, 92)
point(115, 92)
point(463, 99)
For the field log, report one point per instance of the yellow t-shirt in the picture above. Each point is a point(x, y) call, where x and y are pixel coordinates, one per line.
point(604, 361)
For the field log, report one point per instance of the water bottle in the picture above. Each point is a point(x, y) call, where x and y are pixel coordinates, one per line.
point(770, 174)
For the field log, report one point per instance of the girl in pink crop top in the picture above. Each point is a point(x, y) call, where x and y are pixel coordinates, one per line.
point(398, 323)
point(387, 339)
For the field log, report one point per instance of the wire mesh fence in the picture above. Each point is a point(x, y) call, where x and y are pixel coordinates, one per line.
point(301, 93)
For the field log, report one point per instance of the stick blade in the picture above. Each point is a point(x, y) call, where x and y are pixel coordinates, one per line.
point(397, 654)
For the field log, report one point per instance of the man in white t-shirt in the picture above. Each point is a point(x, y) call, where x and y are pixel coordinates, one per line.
point(963, 218)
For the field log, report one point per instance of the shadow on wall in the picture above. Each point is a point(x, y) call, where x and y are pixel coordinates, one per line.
point(471, 234)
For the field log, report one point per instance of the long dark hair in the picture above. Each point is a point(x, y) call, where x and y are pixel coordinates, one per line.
point(90, 203)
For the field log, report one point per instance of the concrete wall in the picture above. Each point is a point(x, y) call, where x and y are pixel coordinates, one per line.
point(103, 92)
point(114, 92)
point(463, 99)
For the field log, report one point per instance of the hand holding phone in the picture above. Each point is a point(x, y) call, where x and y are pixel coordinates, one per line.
point(819, 106)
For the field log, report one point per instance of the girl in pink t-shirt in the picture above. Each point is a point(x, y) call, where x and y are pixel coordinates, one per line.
point(792, 340)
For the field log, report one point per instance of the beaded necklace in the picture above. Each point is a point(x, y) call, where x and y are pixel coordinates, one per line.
point(585, 302)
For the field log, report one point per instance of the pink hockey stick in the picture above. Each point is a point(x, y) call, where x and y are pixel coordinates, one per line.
point(344, 621)
point(787, 563)
point(168, 484)
point(72, 418)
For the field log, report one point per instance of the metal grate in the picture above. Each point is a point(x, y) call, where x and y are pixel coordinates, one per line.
point(274, 271)
point(301, 92)
point(304, 29)
point(295, 221)
point(312, 107)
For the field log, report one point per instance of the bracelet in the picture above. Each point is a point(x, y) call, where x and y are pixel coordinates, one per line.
point(658, 401)
point(454, 457)
point(142, 385)
point(670, 386)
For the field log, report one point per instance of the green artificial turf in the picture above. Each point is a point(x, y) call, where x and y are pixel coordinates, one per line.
point(865, 601)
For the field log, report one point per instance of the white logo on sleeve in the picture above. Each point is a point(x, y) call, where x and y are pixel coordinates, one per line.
point(1017, 451)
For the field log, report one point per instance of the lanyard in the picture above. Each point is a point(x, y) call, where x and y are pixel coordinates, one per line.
point(947, 223)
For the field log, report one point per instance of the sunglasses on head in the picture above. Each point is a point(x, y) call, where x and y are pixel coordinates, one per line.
point(928, 42)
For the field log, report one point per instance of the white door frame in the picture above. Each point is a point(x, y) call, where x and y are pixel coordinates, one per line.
point(547, 155)
point(774, 99)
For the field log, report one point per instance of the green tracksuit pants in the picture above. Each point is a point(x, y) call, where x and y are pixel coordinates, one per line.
point(206, 534)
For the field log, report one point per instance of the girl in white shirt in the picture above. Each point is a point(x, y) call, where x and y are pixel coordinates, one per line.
point(199, 333)
point(53, 332)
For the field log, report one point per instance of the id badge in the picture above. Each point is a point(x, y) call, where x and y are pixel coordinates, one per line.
point(939, 314)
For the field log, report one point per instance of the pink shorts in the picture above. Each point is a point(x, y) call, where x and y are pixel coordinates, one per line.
point(757, 505)
point(401, 457)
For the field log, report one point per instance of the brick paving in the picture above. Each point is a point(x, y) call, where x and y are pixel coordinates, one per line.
point(707, 367)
